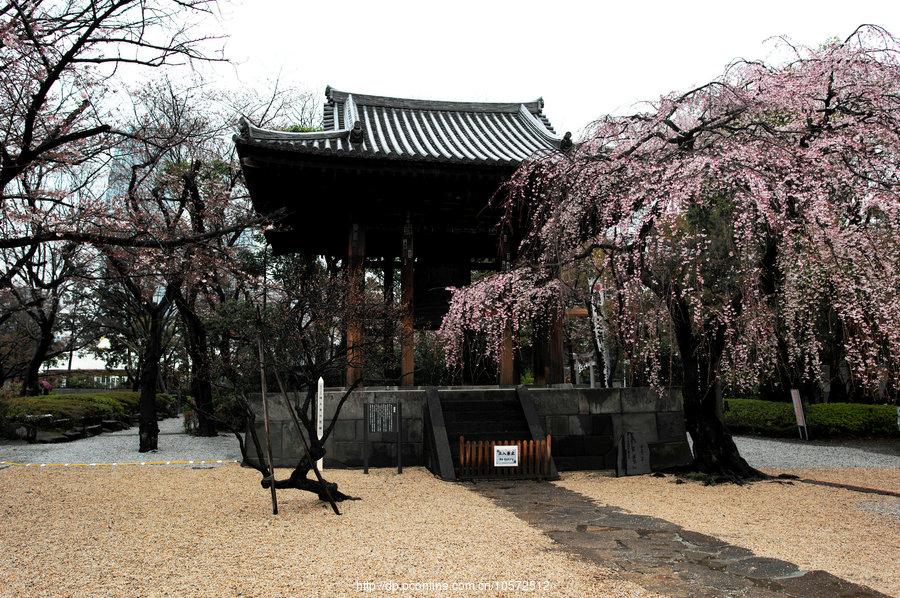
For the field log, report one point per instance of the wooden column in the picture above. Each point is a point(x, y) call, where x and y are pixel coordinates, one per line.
point(556, 357)
point(356, 280)
point(389, 328)
point(507, 359)
point(548, 353)
point(407, 324)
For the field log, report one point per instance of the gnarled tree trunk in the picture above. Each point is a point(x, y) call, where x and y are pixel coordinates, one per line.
point(30, 383)
point(198, 350)
point(298, 480)
point(148, 429)
point(715, 452)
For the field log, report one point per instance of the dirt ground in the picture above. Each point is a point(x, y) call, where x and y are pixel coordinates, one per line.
point(178, 531)
point(852, 535)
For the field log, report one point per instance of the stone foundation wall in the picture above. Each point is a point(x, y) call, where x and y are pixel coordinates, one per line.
point(344, 448)
point(584, 424)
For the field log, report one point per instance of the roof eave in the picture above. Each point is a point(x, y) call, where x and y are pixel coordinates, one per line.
point(244, 144)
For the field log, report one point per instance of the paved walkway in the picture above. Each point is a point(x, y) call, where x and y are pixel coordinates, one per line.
point(112, 447)
point(659, 555)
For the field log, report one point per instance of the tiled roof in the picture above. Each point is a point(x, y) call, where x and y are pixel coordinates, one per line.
point(419, 130)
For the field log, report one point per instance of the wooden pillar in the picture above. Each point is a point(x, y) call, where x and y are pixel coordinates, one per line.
point(556, 359)
point(507, 359)
point(548, 352)
point(389, 325)
point(407, 324)
point(356, 280)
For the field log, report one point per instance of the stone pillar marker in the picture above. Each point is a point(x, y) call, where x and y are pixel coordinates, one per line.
point(407, 325)
point(320, 416)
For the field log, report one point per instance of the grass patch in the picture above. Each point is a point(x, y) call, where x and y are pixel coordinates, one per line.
point(825, 420)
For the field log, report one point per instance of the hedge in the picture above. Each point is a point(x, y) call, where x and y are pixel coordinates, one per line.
point(76, 406)
point(824, 420)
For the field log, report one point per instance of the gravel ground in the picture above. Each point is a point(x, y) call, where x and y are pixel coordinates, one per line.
point(770, 452)
point(112, 447)
point(176, 532)
point(849, 534)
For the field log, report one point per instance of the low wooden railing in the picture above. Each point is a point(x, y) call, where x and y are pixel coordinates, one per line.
point(476, 459)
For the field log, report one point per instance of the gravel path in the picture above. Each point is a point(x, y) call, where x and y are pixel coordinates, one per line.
point(175, 445)
point(113, 447)
point(132, 531)
point(775, 453)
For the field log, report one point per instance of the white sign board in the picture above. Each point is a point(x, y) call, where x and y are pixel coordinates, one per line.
point(506, 456)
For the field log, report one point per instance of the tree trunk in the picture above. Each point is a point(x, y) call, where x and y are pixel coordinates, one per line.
point(602, 363)
point(198, 351)
point(148, 429)
point(298, 479)
point(30, 383)
point(715, 452)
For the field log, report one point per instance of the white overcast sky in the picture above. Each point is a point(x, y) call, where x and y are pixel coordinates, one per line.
point(584, 58)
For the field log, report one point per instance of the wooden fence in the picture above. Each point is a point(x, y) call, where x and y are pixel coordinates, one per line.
point(476, 459)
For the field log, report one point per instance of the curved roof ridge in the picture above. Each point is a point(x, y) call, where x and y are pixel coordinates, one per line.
point(538, 127)
point(251, 131)
point(534, 107)
point(352, 129)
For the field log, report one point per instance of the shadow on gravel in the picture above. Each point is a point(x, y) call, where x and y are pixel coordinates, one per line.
point(658, 555)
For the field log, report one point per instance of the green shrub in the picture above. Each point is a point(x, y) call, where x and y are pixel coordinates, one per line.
point(105, 404)
point(170, 405)
point(71, 406)
point(825, 420)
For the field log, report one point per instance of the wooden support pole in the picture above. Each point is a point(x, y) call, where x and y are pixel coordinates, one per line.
point(407, 325)
point(356, 280)
point(265, 405)
point(264, 393)
point(507, 359)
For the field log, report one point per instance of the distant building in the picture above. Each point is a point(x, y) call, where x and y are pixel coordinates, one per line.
point(107, 379)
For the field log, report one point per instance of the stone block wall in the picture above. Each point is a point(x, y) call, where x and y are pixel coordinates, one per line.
point(344, 448)
point(584, 423)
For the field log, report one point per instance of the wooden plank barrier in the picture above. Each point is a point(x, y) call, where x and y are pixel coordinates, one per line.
point(476, 459)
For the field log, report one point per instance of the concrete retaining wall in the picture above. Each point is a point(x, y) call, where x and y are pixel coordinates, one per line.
point(344, 448)
point(584, 424)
